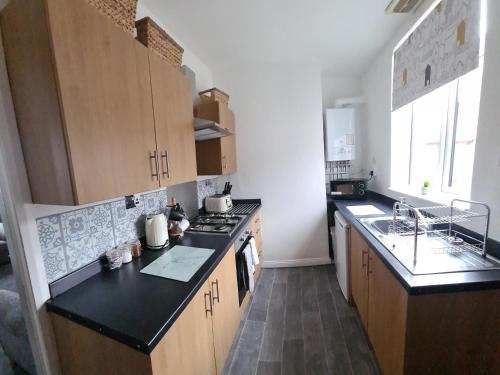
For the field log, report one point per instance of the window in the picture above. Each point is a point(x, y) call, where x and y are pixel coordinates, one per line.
point(434, 138)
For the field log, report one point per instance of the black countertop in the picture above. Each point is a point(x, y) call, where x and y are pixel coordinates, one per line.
point(414, 284)
point(138, 309)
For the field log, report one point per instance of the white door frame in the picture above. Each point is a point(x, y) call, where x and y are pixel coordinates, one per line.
point(20, 228)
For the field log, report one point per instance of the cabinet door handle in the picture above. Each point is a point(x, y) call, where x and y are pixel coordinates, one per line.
point(167, 163)
point(208, 310)
point(224, 164)
point(363, 263)
point(154, 156)
point(368, 268)
point(215, 297)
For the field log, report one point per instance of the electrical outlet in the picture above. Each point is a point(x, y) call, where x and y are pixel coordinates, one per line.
point(132, 201)
point(129, 202)
point(137, 200)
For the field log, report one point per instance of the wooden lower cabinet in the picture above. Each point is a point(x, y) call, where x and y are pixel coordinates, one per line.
point(359, 275)
point(189, 338)
point(387, 305)
point(256, 227)
point(226, 315)
point(447, 333)
point(197, 343)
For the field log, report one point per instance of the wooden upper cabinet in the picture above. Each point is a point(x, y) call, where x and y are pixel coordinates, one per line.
point(173, 114)
point(226, 317)
point(359, 275)
point(82, 94)
point(217, 156)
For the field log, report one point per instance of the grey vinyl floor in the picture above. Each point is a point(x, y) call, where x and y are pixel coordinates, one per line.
point(298, 322)
point(7, 279)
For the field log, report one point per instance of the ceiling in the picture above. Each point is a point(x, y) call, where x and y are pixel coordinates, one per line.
point(342, 35)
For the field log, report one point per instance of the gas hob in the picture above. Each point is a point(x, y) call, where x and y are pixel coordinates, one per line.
point(215, 223)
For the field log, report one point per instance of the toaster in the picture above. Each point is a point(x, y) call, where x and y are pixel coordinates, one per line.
point(218, 203)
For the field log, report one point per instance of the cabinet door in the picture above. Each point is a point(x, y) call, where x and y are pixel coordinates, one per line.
point(387, 312)
point(188, 346)
point(256, 230)
point(105, 98)
point(226, 316)
point(228, 144)
point(173, 113)
point(359, 274)
point(217, 156)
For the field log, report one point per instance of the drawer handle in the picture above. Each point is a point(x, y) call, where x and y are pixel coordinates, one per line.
point(208, 310)
point(214, 297)
point(369, 270)
point(154, 156)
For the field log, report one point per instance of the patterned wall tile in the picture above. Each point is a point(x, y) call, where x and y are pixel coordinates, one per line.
point(79, 253)
point(72, 239)
point(55, 263)
point(49, 232)
point(210, 187)
point(75, 224)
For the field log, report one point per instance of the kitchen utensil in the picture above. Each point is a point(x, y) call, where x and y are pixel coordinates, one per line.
point(156, 231)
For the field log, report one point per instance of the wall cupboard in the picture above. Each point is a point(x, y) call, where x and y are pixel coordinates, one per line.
point(442, 333)
point(99, 116)
point(216, 156)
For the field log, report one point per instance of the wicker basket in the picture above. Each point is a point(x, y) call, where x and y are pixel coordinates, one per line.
point(122, 12)
point(156, 39)
point(214, 95)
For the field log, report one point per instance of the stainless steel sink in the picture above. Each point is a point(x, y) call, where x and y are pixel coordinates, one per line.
point(434, 253)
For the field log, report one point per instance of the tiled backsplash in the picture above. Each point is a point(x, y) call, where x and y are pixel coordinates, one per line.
point(72, 239)
point(210, 187)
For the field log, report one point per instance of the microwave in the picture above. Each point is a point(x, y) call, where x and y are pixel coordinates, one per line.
point(353, 188)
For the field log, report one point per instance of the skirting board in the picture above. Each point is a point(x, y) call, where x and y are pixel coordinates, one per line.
point(296, 262)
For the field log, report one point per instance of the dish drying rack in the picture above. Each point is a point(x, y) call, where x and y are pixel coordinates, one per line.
point(441, 223)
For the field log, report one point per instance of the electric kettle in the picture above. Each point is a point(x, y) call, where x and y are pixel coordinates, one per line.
point(156, 231)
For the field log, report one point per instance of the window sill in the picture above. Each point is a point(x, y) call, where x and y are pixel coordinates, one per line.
point(433, 197)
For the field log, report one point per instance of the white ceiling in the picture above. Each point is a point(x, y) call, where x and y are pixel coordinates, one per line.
point(342, 35)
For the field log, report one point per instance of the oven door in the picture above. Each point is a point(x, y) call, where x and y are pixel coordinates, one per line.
point(242, 273)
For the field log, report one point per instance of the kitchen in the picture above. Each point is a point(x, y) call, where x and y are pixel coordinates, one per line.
point(112, 132)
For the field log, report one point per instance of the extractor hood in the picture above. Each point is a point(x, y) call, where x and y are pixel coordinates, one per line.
point(206, 129)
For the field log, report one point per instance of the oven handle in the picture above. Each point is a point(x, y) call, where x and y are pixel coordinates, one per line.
point(245, 243)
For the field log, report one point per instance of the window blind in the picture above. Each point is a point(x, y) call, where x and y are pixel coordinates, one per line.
point(442, 48)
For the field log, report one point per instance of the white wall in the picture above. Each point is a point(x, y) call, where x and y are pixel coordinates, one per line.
point(377, 92)
point(204, 78)
point(336, 86)
point(280, 157)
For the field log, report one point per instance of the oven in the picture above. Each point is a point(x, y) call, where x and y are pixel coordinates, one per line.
point(241, 264)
